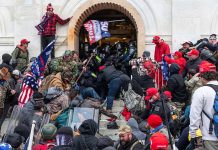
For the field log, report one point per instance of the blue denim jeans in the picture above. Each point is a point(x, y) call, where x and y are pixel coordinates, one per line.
point(114, 88)
point(89, 92)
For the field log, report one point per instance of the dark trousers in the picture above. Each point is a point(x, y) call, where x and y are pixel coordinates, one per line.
point(45, 40)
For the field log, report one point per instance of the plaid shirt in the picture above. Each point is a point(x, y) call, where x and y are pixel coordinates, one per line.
point(50, 28)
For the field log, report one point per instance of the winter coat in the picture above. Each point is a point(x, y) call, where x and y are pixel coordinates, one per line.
point(57, 82)
point(161, 49)
point(180, 61)
point(58, 101)
point(134, 144)
point(191, 64)
point(141, 83)
point(20, 57)
point(135, 129)
point(86, 139)
point(176, 85)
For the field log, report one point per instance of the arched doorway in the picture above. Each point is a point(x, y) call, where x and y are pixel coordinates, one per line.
point(121, 28)
point(87, 9)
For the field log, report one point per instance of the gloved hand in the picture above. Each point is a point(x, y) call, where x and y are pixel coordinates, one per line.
point(193, 142)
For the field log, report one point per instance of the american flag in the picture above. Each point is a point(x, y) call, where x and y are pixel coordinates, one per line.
point(30, 84)
point(32, 79)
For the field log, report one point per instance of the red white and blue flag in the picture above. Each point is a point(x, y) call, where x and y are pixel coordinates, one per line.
point(97, 30)
point(32, 79)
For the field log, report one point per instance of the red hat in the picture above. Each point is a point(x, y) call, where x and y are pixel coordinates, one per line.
point(154, 120)
point(24, 41)
point(205, 66)
point(168, 94)
point(155, 39)
point(49, 7)
point(178, 54)
point(193, 52)
point(150, 92)
point(159, 141)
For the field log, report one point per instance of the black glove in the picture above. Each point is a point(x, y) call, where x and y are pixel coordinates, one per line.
point(193, 142)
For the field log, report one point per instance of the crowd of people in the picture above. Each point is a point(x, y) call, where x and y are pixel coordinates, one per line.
point(177, 93)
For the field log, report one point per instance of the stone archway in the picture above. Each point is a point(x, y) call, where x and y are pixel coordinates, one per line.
point(86, 9)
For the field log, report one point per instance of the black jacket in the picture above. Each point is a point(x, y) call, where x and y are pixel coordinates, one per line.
point(128, 146)
point(191, 64)
point(176, 85)
point(141, 83)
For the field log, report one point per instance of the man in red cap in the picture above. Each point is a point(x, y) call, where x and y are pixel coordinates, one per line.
point(153, 101)
point(193, 62)
point(203, 108)
point(20, 55)
point(178, 59)
point(47, 27)
point(161, 49)
point(159, 141)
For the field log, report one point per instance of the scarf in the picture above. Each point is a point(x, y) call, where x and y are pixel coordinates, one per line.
point(41, 26)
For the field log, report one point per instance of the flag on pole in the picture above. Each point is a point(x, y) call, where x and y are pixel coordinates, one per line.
point(97, 30)
point(31, 79)
point(38, 66)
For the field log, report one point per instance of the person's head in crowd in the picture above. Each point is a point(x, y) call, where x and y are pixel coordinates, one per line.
point(191, 73)
point(68, 55)
point(193, 54)
point(154, 121)
point(104, 142)
point(177, 55)
point(6, 58)
point(159, 141)
point(64, 136)
point(168, 95)
point(50, 9)
point(146, 54)
point(16, 74)
point(15, 140)
point(48, 132)
point(187, 44)
point(152, 95)
point(156, 40)
point(88, 127)
point(23, 130)
point(207, 72)
point(39, 101)
point(125, 134)
point(213, 39)
point(24, 43)
point(174, 68)
point(67, 77)
point(5, 146)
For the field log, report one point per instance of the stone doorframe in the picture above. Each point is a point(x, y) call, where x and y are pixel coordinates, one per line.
point(92, 6)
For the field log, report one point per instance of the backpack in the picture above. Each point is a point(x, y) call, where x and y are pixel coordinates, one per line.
point(45, 83)
point(214, 120)
point(61, 120)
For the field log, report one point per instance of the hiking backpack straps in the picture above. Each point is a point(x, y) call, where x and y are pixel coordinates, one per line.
point(213, 121)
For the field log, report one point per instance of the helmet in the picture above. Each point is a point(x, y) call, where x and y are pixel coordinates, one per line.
point(48, 131)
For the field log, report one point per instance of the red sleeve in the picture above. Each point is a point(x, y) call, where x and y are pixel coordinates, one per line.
point(169, 60)
point(61, 21)
point(166, 49)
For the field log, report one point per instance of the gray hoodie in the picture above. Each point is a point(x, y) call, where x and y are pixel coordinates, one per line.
point(135, 129)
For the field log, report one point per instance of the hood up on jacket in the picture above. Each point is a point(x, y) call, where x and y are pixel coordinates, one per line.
point(174, 69)
point(135, 129)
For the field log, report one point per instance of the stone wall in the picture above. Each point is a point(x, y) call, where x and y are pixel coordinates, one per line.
point(173, 20)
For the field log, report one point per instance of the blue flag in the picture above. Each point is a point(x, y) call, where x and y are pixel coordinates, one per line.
point(39, 64)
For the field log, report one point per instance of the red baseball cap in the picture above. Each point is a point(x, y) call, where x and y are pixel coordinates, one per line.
point(100, 68)
point(49, 7)
point(24, 41)
point(150, 92)
point(168, 94)
point(205, 66)
point(193, 52)
point(155, 39)
point(159, 141)
point(178, 54)
point(154, 120)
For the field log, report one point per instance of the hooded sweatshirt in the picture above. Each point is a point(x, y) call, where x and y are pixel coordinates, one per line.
point(135, 129)
point(86, 139)
point(176, 84)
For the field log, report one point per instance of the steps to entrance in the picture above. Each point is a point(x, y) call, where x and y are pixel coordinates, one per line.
point(112, 133)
